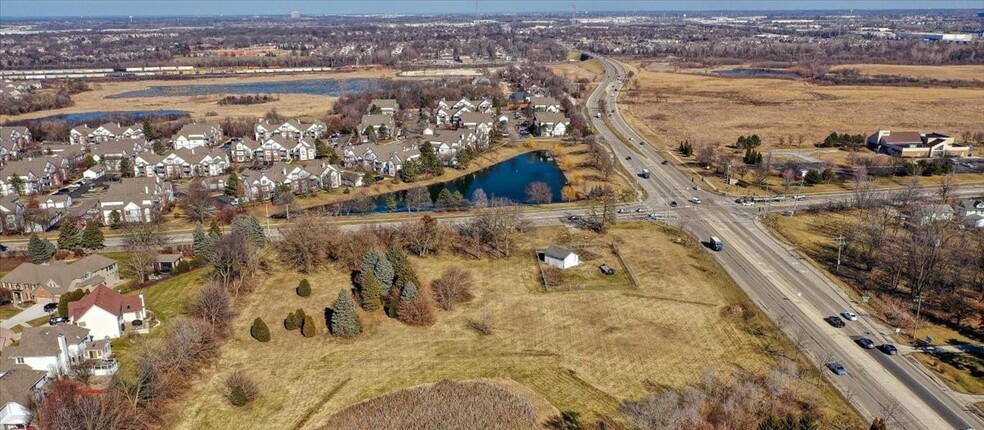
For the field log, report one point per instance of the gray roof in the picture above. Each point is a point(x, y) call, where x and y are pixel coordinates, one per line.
point(903, 138)
point(17, 382)
point(59, 272)
point(476, 117)
point(972, 204)
point(551, 117)
point(43, 341)
point(379, 119)
point(385, 103)
point(558, 252)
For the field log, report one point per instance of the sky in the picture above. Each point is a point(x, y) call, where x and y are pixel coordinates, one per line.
point(96, 8)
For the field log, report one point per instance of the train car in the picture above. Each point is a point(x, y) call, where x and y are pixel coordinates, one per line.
point(133, 69)
point(186, 68)
point(168, 68)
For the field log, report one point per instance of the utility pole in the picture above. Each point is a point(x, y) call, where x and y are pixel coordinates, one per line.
point(919, 301)
point(840, 244)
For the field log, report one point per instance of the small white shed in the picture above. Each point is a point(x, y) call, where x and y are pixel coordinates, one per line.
point(560, 257)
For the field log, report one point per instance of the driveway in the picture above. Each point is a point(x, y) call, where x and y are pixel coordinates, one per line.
point(31, 313)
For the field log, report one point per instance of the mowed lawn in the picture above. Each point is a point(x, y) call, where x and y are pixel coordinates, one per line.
point(582, 351)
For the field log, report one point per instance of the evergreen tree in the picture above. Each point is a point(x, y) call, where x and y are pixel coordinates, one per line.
point(344, 321)
point(214, 231)
point(370, 291)
point(333, 157)
point(202, 243)
point(307, 328)
point(429, 159)
point(159, 147)
point(259, 330)
point(69, 236)
point(410, 293)
point(115, 220)
point(92, 236)
point(304, 288)
point(250, 226)
point(39, 251)
point(233, 186)
point(384, 273)
point(321, 148)
point(66, 298)
point(126, 170)
point(403, 272)
point(148, 130)
point(290, 323)
point(368, 263)
point(17, 183)
point(299, 317)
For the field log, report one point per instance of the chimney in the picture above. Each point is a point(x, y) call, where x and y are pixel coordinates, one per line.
point(146, 189)
point(285, 171)
point(64, 361)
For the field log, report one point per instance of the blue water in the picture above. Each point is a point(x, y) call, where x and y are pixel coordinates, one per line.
point(758, 73)
point(74, 119)
point(507, 179)
point(318, 87)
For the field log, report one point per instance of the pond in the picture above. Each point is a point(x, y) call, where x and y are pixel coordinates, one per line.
point(758, 73)
point(507, 179)
point(123, 117)
point(318, 87)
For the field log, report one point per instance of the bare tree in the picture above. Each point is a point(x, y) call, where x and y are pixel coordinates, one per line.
point(863, 188)
point(304, 244)
point(417, 198)
point(706, 153)
point(453, 287)
point(197, 203)
point(214, 306)
point(491, 230)
point(141, 243)
point(948, 187)
point(538, 193)
point(423, 236)
point(788, 179)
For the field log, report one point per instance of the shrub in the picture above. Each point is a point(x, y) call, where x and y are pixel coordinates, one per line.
point(304, 288)
point(239, 389)
point(290, 323)
point(370, 292)
point(482, 323)
point(307, 328)
point(416, 312)
point(344, 321)
point(453, 287)
point(259, 330)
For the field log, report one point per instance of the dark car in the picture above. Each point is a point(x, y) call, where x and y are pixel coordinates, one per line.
point(837, 368)
point(573, 218)
point(57, 320)
point(673, 203)
point(865, 343)
point(889, 349)
point(629, 157)
point(664, 162)
point(835, 321)
point(50, 307)
point(137, 323)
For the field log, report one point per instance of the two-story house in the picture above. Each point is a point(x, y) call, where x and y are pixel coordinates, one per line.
point(135, 200)
point(45, 283)
point(197, 135)
point(106, 313)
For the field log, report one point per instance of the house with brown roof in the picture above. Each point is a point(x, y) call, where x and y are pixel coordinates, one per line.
point(19, 387)
point(45, 283)
point(105, 313)
point(912, 144)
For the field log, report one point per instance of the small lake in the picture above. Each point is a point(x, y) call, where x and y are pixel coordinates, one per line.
point(507, 179)
point(126, 116)
point(318, 87)
point(758, 73)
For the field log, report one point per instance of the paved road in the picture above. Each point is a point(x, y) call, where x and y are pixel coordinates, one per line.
point(792, 292)
point(33, 312)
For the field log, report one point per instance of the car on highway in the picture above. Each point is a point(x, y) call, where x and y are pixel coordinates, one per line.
point(889, 349)
point(850, 316)
point(747, 203)
point(628, 157)
point(664, 162)
point(673, 204)
point(621, 210)
point(50, 307)
point(638, 210)
point(696, 187)
point(837, 368)
point(573, 218)
point(695, 200)
point(865, 343)
point(631, 139)
point(835, 321)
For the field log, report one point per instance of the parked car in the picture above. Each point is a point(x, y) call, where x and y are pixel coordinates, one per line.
point(137, 323)
point(889, 349)
point(865, 343)
point(835, 321)
point(607, 270)
point(850, 316)
point(50, 307)
point(837, 368)
point(57, 320)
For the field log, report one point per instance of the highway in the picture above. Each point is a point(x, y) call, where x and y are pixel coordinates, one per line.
point(789, 290)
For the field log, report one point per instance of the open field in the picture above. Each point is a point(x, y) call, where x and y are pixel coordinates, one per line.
point(591, 70)
point(969, 72)
point(672, 107)
point(963, 372)
point(582, 351)
point(291, 105)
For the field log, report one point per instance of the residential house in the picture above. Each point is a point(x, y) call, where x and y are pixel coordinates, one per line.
point(19, 134)
point(52, 349)
point(303, 150)
point(380, 127)
point(105, 312)
point(385, 106)
point(20, 386)
point(165, 263)
point(243, 150)
point(382, 159)
point(11, 214)
point(329, 177)
point(442, 116)
point(135, 200)
point(544, 104)
point(291, 129)
point(929, 213)
point(481, 123)
point(196, 135)
point(519, 99)
point(9, 150)
point(296, 177)
point(971, 207)
point(182, 163)
point(112, 153)
point(353, 179)
point(552, 124)
point(447, 143)
point(79, 135)
point(55, 201)
point(275, 149)
point(560, 257)
point(95, 172)
point(19, 217)
point(45, 283)
point(113, 131)
point(911, 144)
point(35, 175)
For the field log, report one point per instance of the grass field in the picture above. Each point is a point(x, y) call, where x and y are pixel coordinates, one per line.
point(671, 107)
point(291, 105)
point(963, 372)
point(8, 311)
point(169, 297)
point(969, 73)
point(592, 70)
point(583, 351)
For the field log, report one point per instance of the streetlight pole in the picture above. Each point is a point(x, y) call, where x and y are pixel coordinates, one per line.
point(840, 244)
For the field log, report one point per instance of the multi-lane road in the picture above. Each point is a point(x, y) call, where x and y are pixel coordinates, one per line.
point(794, 294)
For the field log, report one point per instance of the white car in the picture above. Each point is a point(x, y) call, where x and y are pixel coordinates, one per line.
point(850, 316)
point(695, 200)
point(748, 203)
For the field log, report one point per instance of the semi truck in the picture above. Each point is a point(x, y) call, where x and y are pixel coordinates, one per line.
point(645, 173)
point(716, 244)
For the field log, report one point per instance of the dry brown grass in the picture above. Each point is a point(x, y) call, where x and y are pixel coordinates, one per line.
point(592, 70)
point(674, 106)
point(291, 105)
point(444, 405)
point(582, 351)
point(970, 72)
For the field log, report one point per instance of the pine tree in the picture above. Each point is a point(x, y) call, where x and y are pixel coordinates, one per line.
point(92, 236)
point(159, 147)
point(250, 226)
point(115, 220)
point(304, 288)
point(308, 328)
point(69, 236)
point(232, 186)
point(39, 251)
point(384, 273)
point(403, 272)
point(259, 330)
point(321, 148)
point(202, 243)
point(214, 231)
point(409, 293)
point(344, 321)
point(368, 263)
point(290, 323)
point(371, 294)
point(148, 130)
